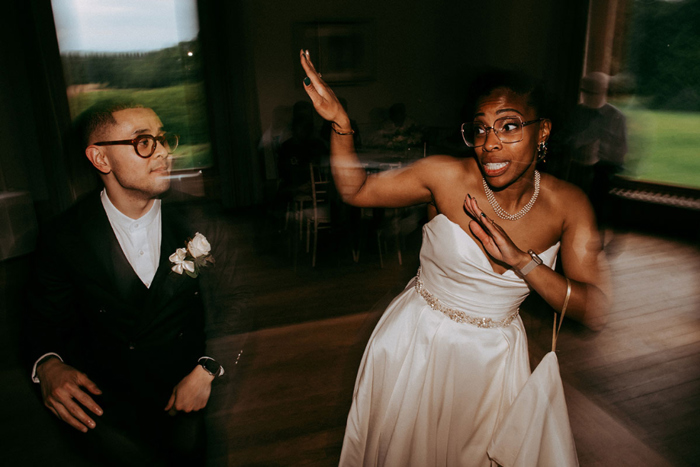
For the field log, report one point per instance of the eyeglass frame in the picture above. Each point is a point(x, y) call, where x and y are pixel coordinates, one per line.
point(133, 142)
point(495, 132)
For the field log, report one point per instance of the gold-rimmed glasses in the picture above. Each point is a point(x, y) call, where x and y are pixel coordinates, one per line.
point(507, 130)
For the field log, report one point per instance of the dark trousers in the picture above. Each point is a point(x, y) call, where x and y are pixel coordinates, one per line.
point(130, 433)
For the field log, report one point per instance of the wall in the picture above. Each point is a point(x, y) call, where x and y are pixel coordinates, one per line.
point(425, 55)
point(426, 51)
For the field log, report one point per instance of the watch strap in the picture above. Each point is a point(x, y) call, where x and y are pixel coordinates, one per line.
point(527, 269)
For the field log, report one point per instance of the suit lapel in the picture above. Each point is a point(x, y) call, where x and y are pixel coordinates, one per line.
point(173, 236)
point(112, 269)
point(165, 283)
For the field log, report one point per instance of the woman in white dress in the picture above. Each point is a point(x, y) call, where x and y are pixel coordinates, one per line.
point(449, 355)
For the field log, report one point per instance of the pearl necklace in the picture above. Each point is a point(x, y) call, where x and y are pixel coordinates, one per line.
point(502, 213)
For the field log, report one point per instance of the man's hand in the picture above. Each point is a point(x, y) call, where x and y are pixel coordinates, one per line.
point(60, 384)
point(192, 393)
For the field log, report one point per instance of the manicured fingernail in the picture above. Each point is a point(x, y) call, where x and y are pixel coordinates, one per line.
point(307, 81)
point(307, 52)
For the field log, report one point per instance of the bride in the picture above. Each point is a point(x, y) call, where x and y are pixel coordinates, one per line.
point(449, 355)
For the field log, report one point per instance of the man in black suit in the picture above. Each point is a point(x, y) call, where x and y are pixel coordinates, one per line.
point(120, 306)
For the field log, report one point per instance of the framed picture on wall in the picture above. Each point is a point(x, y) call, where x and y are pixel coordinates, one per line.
point(343, 52)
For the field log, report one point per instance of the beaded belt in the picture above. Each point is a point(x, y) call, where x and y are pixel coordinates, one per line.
point(458, 315)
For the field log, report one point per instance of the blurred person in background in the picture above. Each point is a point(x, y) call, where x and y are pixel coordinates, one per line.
point(596, 137)
point(296, 153)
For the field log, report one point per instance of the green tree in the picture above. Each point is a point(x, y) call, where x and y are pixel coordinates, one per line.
point(665, 52)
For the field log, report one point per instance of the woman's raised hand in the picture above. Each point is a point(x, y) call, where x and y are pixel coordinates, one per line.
point(322, 96)
point(496, 241)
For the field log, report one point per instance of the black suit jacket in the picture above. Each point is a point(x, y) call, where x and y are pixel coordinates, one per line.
point(89, 306)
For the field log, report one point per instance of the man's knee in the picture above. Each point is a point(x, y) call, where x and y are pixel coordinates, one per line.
point(188, 438)
point(114, 446)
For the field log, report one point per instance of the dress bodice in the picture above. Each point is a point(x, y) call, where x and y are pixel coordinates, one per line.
point(458, 273)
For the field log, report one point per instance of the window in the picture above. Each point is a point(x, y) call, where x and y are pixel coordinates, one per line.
point(656, 83)
point(144, 51)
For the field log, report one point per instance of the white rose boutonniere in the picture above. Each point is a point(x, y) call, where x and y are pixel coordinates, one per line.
point(198, 246)
point(180, 261)
point(192, 259)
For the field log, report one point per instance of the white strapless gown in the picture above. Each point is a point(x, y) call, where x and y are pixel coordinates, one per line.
point(430, 391)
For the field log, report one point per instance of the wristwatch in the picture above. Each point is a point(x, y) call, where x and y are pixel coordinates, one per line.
point(536, 261)
point(211, 366)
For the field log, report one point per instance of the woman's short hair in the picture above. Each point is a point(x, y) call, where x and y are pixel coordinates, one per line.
point(518, 82)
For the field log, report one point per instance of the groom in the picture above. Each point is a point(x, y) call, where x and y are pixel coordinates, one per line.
point(116, 328)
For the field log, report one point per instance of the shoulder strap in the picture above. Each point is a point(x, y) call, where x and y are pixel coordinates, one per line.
point(556, 327)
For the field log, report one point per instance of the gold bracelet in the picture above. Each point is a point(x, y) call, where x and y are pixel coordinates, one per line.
point(566, 298)
point(351, 132)
point(560, 318)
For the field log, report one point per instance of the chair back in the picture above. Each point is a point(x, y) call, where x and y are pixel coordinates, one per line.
point(320, 184)
point(320, 215)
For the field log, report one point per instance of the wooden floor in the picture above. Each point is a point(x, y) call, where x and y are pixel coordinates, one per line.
point(633, 389)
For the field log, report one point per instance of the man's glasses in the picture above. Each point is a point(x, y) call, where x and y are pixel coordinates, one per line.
point(506, 129)
point(145, 145)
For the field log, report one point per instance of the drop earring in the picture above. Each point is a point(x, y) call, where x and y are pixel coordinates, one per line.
point(542, 151)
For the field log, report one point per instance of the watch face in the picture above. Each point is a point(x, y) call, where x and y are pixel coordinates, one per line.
point(212, 366)
point(535, 258)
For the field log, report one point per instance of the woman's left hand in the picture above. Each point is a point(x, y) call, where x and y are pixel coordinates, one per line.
point(322, 96)
point(496, 241)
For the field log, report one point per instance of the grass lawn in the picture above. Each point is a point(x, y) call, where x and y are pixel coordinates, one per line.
point(190, 156)
point(664, 146)
point(181, 109)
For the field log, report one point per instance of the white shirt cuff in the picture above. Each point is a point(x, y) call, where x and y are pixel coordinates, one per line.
point(35, 378)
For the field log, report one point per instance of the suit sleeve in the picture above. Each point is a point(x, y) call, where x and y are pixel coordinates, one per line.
point(225, 294)
point(50, 316)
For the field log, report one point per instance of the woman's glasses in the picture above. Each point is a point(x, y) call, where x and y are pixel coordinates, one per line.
point(506, 129)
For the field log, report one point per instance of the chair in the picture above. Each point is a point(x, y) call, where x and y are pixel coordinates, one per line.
point(388, 222)
point(320, 212)
point(390, 227)
point(398, 223)
point(296, 206)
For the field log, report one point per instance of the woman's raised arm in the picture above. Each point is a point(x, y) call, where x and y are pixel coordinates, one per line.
point(394, 188)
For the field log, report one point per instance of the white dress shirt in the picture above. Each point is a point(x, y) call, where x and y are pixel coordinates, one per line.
point(139, 238)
